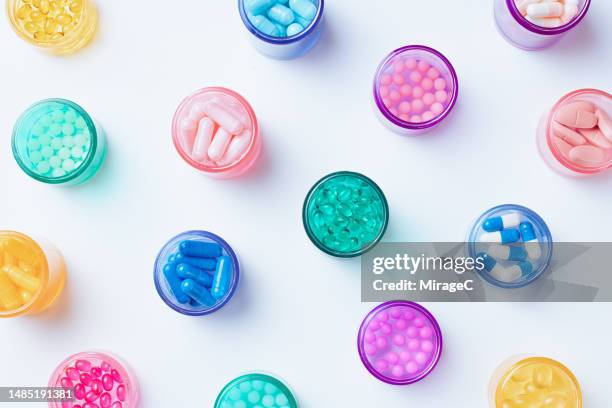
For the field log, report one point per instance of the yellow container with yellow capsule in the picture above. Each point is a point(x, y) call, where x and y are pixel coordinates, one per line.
point(534, 382)
point(32, 274)
point(60, 26)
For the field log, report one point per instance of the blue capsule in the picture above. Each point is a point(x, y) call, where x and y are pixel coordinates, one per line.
point(197, 292)
point(187, 271)
point(304, 8)
point(208, 264)
point(505, 221)
point(294, 29)
point(488, 261)
point(527, 232)
point(508, 252)
point(526, 268)
point(506, 236)
point(222, 278)
point(200, 249)
point(265, 26)
point(174, 282)
point(257, 6)
point(281, 14)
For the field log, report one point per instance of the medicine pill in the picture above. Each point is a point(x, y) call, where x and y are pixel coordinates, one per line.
point(281, 19)
point(548, 13)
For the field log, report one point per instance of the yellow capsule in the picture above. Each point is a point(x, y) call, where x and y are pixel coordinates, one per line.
point(9, 295)
point(36, 16)
point(19, 250)
point(27, 268)
point(57, 36)
point(76, 6)
point(36, 3)
point(64, 19)
point(26, 296)
point(51, 26)
point(22, 279)
point(9, 259)
point(542, 376)
point(26, 1)
point(24, 11)
point(44, 6)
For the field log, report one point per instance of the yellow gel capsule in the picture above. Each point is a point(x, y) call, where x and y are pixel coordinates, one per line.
point(27, 268)
point(30, 27)
point(22, 279)
point(24, 11)
point(9, 259)
point(26, 296)
point(51, 26)
point(64, 19)
point(9, 296)
point(36, 16)
point(57, 36)
point(76, 6)
point(19, 250)
point(36, 3)
point(44, 6)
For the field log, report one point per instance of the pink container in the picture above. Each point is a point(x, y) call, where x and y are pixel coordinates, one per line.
point(215, 131)
point(578, 151)
point(98, 380)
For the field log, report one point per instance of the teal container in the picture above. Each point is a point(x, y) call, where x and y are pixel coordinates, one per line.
point(55, 141)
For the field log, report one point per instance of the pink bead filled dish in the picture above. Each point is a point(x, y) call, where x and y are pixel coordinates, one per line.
point(415, 88)
point(400, 342)
point(98, 380)
point(215, 131)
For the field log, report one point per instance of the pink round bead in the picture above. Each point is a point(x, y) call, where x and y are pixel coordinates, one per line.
point(386, 328)
point(419, 322)
point(417, 92)
point(381, 342)
point(392, 357)
point(415, 119)
point(398, 67)
point(382, 365)
point(440, 84)
point(405, 356)
point(398, 371)
point(420, 358)
point(417, 105)
point(423, 66)
point(412, 367)
point(395, 95)
point(399, 340)
point(404, 117)
point(383, 91)
point(429, 98)
point(441, 96)
point(369, 336)
point(406, 90)
point(427, 346)
point(437, 109)
point(404, 107)
point(412, 332)
point(433, 73)
point(427, 116)
point(408, 315)
point(385, 79)
point(413, 344)
point(395, 312)
point(370, 349)
point(387, 102)
point(411, 63)
point(426, 332)
point(374, 325)
point(415, 76)
point(398, 79)
point(427, 84)
point(401, 324)
point(394, 112)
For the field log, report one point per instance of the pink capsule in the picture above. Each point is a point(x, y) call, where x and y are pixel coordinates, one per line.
point(105, 400)
point(117, 405)
point(91, 396)
point(72, 373)
point(91, 405)
point(105, 367)
point(121, 392)
point(117, 376)
point(79, 391)
point(86, 379)
point(107, 382)
point(96, 372)
point(97, 386)
point(83, 365)
point(66, 382)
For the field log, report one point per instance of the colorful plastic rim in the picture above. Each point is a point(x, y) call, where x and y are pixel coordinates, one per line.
point(281, 40)
point(22, 125)
point(420, 125)
point(313, 238)
point(221, 401)
point(534, 28)
point(121, 366)
point(218, 170)
point(171, 245)
point(364, 358)
point(539, 224)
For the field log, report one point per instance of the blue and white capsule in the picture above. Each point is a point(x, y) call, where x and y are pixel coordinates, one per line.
point(507, 236)
point(502, 222)
point(508, 252)
point(507, 275)
point(529, 237)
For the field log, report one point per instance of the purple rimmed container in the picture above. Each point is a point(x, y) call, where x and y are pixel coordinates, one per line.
point(415, 89)
point(285, 47)
point(524, 34)
point(163, 286)
point(400, 342)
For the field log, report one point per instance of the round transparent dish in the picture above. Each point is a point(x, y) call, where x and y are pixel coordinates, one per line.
point(400, 342)
point(534, 382)
point(415, 89)
point(98, 380)
point(256, 390)
point(55, 141)
point(196, 273)
point(216, 132)
point(528, 33)
point(345, 214)
point(59, 26)
point(575, 137)
point(514, 243)
point(282, 29)
point(32, 274)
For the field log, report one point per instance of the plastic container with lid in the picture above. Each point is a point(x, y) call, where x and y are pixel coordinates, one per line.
point(196, 273)
point(282, 29)
point(523, 381)
point(97, 379)
point(60, 26)
point(575, 136)
point(345, 214)
point(515, 244)
point(415, 88)
point(55, 141)
point(529, 34)
point(400, 342)
point(215, 131)
point(32, 274)
point(256, 390)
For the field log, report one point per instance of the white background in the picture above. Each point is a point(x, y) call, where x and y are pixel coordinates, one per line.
point(297, 310)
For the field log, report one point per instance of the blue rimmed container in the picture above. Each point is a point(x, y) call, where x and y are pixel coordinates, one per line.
point(164, 288)
point(284, 47)
point(476, 246)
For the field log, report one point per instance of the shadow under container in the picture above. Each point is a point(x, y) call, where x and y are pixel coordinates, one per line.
point(98, 379)
point(345, 214)
point(415, 89)
point(170, 276)
point(533, 381)
point(400, 342)
point(557, 153)
point(524, 34)
point(530, 253)
point(256, 390)
point(216, 132)
point(280, 45)
point(32, 274)
point(55, 141)
point(61, 26)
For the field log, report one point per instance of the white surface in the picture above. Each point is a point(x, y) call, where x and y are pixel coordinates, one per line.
point(297, 311)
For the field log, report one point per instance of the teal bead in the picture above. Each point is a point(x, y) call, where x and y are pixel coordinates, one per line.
point(281, 14)
point(68, 129)
point(44, 140)
point(57, 116)
point(254, 397)
point(57, 143)
point(43, 167)
point(80, 123)
point(70, 116)
point(35, 157)
point(55, 162)
point(54, 130)
point(33, 145)
point(46, 152)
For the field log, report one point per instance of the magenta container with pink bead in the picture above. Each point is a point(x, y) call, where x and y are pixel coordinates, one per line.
point(400, 342)
point(415, 89)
